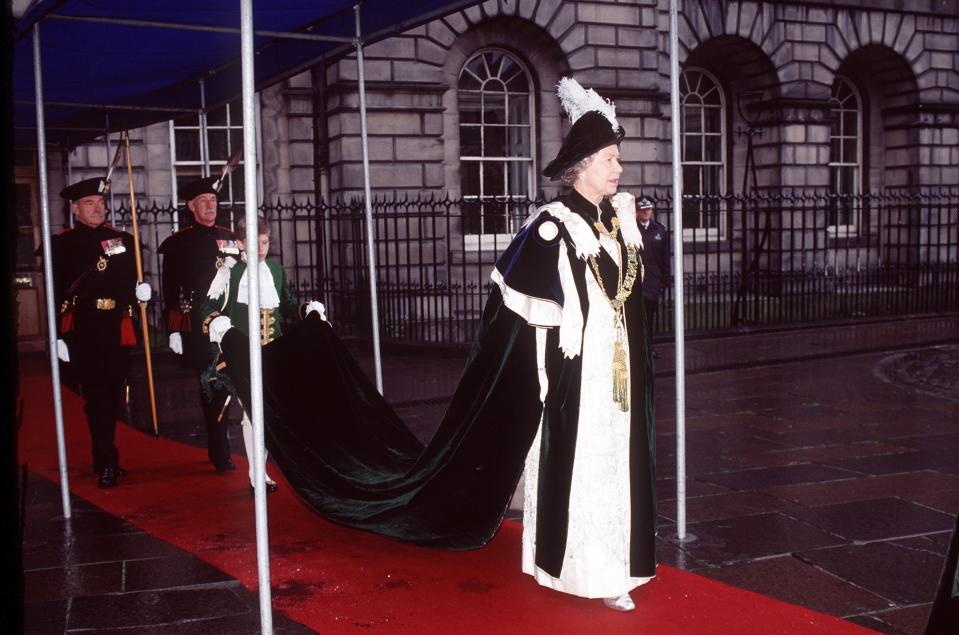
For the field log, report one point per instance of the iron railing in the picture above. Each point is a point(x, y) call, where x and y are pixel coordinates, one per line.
point(764, 259)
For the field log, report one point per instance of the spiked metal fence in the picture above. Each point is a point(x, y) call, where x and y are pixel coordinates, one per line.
point(764, 259)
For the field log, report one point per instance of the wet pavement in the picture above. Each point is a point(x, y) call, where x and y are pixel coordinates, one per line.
point(822, 469)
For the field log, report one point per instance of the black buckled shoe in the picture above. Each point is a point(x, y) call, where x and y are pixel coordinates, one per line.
point(225, 466)
point(108, 478)
point(119, 471)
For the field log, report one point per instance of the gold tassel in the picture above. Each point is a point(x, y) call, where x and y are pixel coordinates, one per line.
point(620, 372)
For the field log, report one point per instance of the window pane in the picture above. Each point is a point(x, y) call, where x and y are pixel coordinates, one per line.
point(236, 187)
point(469, 178)
point(187, 145)
point(218, 145)
point(519, 178)
point(24, 204)
point(494, 141)
point(470, 144)
point(691, 182)
point(518, 141)
point(470, 106)
point(494, 218)
point(714, 120)
point(518, 81)
point(694, 148)
point(714, 149)
point(236, 142)
point(472, 223)
point(494, 108)
point(849, 151)
point(692, 121)
point(216, 117)
point(849, 126)
point(518, 109)
point(494, 179)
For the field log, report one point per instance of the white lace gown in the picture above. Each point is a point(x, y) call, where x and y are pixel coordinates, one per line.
point(596, 564)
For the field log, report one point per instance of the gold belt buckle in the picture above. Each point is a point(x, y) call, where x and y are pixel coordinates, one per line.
point(106, 304)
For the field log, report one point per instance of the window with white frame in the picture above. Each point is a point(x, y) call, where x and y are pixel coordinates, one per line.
point(496, 144)
point(703, 122)
point(845, 157)
point(224, 135)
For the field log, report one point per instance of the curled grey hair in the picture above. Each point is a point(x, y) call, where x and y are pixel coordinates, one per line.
point(570, 174)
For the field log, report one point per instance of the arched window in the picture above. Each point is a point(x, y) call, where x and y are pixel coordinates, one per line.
point(703, 150)
point(496, 142)
point(845, 156)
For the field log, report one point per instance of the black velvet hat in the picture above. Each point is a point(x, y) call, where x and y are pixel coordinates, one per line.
point(594, 126)
point(207, 185)
point(591, 132)
point(87, 187)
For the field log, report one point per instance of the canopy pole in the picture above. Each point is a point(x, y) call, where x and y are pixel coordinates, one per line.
point(679, 318)
point(204, 133)
point(48, 276)
point(370, 245)
point(253, 322)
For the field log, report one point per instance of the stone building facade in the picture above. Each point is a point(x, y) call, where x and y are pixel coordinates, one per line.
point(845, 97)
point(778, 66)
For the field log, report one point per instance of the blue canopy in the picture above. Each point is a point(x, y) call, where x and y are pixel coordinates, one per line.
point(98, 65)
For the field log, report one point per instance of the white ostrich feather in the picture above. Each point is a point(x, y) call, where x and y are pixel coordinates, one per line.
point(577, 101)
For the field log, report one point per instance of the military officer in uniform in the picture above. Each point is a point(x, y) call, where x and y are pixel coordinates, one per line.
point(191, 257)
point(655, 259)
point(95, 285)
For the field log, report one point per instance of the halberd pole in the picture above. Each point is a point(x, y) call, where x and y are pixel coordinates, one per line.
point(144, 324)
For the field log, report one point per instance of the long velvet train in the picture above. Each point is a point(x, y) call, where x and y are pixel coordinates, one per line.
point(354, 462)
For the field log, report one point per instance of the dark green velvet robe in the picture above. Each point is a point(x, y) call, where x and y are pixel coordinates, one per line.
point(352, 460)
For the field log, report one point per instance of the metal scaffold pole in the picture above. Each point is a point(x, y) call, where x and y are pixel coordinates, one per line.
point(48, 276)
point(253, 323)
point(679, 317)
point(370, 229)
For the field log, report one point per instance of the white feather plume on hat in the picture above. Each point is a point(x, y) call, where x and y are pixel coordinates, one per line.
point(577, 101)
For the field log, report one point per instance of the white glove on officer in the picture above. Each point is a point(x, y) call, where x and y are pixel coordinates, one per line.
point(176, 343)
point(218, 328)
point(144, 292)
point(318, 307)
point(62, 351)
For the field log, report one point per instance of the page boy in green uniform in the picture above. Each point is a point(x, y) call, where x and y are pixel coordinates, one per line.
point(228, 298)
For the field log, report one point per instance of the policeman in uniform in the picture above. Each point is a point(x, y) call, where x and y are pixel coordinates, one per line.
point(95, 285)
point(191, 257)
point(655, 259)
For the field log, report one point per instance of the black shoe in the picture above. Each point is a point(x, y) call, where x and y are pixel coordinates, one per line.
point(225, 466)
point(108, 478)
point(271, 486)
point(118, 471)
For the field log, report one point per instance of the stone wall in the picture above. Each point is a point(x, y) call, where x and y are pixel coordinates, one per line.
point(775, 60)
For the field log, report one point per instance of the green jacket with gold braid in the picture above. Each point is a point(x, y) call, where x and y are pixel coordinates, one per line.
point(226, 296)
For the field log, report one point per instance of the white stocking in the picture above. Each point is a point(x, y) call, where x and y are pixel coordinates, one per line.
point(247, 427)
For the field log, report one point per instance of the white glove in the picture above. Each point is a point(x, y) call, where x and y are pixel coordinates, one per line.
point(218, 328)
point(144, 293)
point(318, 307)
point(623, 200)
point(176, 343)
point(62, 351)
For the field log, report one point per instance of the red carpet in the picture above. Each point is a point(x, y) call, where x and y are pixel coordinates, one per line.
point(337, 580)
